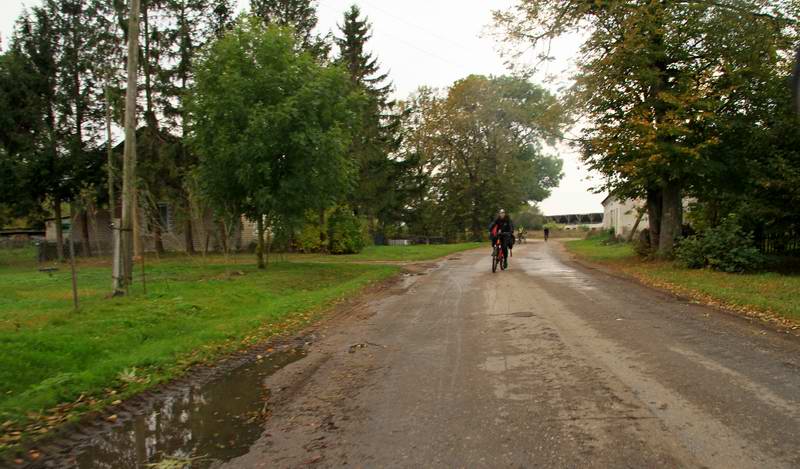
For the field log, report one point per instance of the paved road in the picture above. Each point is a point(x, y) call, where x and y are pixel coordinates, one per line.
point(547, 365)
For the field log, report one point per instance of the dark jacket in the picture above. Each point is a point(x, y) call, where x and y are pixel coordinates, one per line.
point(504, 225)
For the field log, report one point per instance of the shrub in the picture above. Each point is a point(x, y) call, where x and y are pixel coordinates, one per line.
point(725, 247)
point(345, 232)
point(307, 239)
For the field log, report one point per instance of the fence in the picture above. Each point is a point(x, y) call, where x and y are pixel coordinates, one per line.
point(787, 243)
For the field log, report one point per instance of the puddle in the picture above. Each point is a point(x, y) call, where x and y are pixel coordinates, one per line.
point(210, 423)
point(551, 268)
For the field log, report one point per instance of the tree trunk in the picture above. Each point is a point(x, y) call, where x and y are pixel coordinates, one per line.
point(639, 216)
point(158, 239)
point(477, 226)
point(59, 229)
point(323, 244)
point(671, 219)
point(73, 273)
point(223, 236)
point(654, 207)
point(124, 253)
point(260, 247)
point(112, 201)
point(86, 248)
point(138, 249)
point(188, 235)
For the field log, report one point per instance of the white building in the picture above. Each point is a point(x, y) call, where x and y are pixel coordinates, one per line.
point(621, 215)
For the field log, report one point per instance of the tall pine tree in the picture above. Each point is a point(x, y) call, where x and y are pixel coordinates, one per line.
point(56, 39)
point(379, 194)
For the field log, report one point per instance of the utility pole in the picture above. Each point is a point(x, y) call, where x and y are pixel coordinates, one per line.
point(124, 249)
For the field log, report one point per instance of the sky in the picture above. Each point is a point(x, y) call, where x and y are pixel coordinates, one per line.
point(434, 43)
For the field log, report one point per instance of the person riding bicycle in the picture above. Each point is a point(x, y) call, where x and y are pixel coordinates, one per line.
point(503, 228)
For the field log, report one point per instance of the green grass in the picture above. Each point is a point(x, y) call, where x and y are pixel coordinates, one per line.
point(595, 249)
point(414, 253)
point(194, 310)
point(765, 292)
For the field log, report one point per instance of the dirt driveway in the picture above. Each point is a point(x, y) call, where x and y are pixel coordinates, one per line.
point(546, 365)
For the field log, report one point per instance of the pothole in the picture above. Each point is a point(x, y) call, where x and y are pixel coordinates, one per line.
point(524, 314)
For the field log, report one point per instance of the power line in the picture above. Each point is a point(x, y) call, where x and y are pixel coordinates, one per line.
point(421, 28)
point(409, 44)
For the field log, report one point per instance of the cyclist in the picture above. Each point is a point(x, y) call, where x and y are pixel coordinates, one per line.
point(546, 233)
point(503, 227)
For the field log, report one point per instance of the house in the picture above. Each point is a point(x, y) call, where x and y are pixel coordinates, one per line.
point(620, 215)
point(164, 227)
point(623, 215)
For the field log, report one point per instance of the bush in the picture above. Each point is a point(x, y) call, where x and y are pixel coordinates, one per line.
point(307, 240)
point(725, 247)
point(346, 232)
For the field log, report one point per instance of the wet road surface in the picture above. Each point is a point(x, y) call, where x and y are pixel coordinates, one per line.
point(547, 365)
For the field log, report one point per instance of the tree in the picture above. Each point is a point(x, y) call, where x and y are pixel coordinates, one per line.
point(653, 80)
point(481, 147)
point(53, 40)
point(529, 217)
point(123, 251)
point(79, 24)
point(300, 15)
point(21, 128)
point(174, 31)
point(270, 126)
point(382, 188)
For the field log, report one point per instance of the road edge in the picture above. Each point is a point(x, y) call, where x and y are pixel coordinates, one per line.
point(753, 316)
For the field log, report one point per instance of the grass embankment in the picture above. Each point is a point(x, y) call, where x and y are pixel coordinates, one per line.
point(767, 293)
point(415, 253)
point(196, 309)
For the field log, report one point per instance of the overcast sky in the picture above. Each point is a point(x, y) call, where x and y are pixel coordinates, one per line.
point(434, 43)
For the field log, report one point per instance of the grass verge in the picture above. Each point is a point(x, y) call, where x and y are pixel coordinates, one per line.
point(56, 364)
point(414, 253)
point(767, 295)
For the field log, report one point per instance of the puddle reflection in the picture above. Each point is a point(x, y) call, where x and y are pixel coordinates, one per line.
point(213, 423)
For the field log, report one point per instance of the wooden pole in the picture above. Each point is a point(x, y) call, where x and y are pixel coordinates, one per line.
point(124, 253)
point(112, 196)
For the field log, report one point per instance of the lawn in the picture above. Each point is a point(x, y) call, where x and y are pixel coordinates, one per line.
point(765, 292)
point(420, 252)
point(195, 310)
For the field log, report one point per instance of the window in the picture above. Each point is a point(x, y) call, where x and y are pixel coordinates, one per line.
point(164, 218)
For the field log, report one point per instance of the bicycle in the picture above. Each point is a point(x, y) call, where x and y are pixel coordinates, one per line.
point(498, 257)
